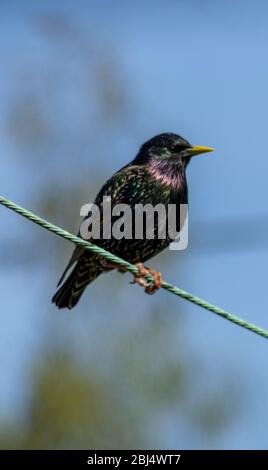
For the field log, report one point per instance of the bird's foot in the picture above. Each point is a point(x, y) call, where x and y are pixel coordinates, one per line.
point(150, 287)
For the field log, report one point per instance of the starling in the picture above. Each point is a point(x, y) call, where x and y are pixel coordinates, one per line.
point(156, 175)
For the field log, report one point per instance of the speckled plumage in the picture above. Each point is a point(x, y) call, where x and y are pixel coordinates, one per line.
point(156, 175)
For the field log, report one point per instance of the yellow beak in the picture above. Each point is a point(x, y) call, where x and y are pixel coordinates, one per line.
point(199, 149)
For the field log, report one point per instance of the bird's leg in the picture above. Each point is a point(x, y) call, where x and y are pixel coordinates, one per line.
point(150, 287)
point(109, 265)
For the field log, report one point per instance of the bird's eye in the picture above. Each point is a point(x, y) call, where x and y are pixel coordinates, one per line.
point(176, 148)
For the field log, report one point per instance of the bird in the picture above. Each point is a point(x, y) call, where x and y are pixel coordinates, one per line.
point(157, 175)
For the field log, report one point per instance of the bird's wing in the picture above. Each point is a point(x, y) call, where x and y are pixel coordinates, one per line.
point(112, 189)
point(132, 185)
point(126, 186)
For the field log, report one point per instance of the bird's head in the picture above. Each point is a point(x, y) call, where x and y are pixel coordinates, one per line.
point(171, 149)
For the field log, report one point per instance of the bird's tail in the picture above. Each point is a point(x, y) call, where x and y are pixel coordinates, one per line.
point(70, 292)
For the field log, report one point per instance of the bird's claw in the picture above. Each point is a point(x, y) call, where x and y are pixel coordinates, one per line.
point(150, 287)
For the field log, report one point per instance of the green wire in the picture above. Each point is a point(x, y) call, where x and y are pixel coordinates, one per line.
point(131, 268)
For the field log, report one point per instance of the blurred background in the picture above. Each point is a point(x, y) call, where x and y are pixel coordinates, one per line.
point(82, 85)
